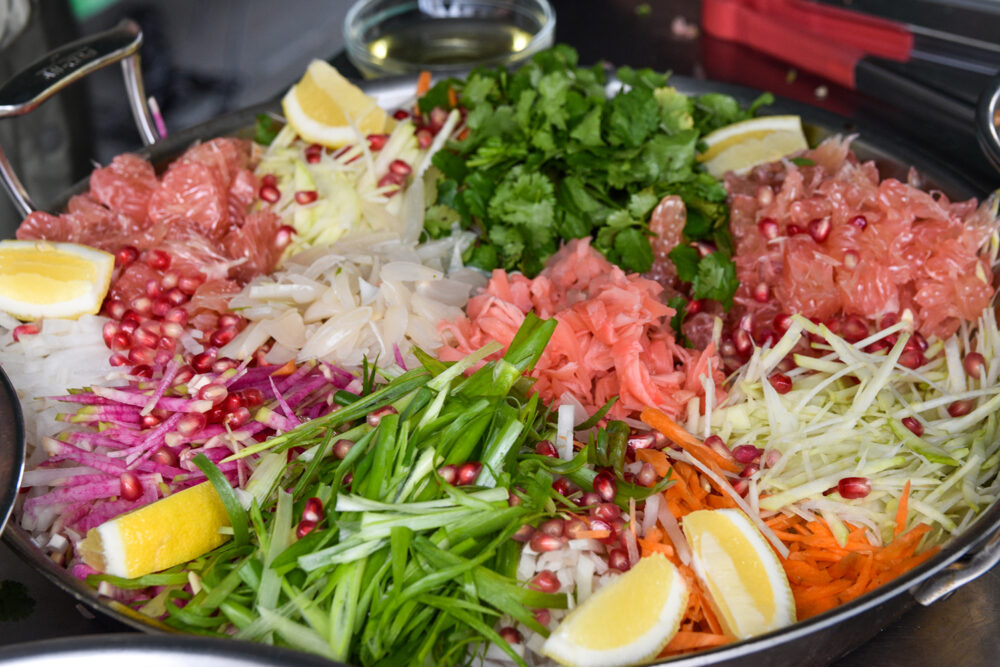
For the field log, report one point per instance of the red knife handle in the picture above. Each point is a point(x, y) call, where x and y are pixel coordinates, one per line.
point(731, 20)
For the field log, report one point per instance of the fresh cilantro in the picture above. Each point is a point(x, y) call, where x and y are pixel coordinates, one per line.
point(15, 602)
point(265, 129)
point(803, 162)
point(548, 157)
point(679, 304)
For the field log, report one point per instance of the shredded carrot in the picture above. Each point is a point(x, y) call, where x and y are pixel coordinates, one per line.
point(423, 82)
point(655, 458)
point(452, 97)
point(287, 369)
point(687, 640)
point(692, 445)
point(593, 534)
point(902, 510)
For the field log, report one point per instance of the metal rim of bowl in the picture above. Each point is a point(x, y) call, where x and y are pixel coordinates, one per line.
point(878, 143)
point(987, 131)
point(12, 447)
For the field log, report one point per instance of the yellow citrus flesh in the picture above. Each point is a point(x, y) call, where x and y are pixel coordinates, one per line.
point(171, 531)
point(323, 104)
point(745, 579)
point(743, 145)
point(627, 621)
point(42, 279)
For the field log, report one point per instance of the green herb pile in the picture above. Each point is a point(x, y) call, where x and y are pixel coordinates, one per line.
point(403, 568)
point(549, 156)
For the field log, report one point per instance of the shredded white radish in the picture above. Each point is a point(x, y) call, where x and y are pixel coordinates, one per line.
point(564, 432)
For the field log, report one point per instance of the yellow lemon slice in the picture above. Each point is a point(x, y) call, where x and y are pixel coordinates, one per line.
point(743, 145)
point(745, 579)
point(171, 531)
point(627, 621)
point(322, 105)
point(43, 279)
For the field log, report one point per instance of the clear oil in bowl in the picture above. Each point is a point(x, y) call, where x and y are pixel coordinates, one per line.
point(460, 41)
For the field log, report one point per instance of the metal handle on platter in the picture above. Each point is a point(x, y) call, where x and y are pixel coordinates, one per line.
point(67, 64)
point(986, 127)
point(957, 575)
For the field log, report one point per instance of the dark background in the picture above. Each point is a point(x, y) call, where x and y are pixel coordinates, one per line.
point(205, 57)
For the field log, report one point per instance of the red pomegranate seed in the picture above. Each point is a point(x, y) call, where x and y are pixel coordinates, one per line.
point(270, 194)
point(165, 456)
point(424, 138)
point(853, 488)
point(191, 423)
point(507, 633)
point(160, 308)
point(542, 542)
point(543, 616)
point(587, 499)
point(915, 426)
point(142, 371)
point(238, 417)
point(647, 475)
point(768, 228)
point(223, 364)
point(184, 375)
point(172, 330)
point(177, 316)
point(342, 448)
point(523, 534)
point(202, 362)
point(131, 487)
point(146, 338)
point(575, 527)
point(695, 306)
point(605, 486)
point(854, 328)
point(618, 560)
point(304, 528)
point(158, 259)
point(116, 309)
point(108, 331)
point(313, 153)
point(175, 297)
point(230, 320)
point(284, 236)
point(546, 448)
point(781, 383)
point(149, 421)
point(25, 330)
point(448, 473)
point(221, 337)
point(746, 453)
point(704, 248)
point(793, 230)
point(555, 527)
point(859, 221)
point(564, 487)
point(126, 255)
point(313, 510)
point(162, 357)
point(141, 355)
point(251, 397)
point(117, 359)
point(742, 341)
point(749, 470)
point(121, 341)
point(741, 486)
point(912, 359)
point(606, 512)
point(391, 179)
point(305, 197)
point(142, 305)
point(190, 284)
point(918, 340)
point(545, 581)
point(961, 407)
point(269, 179)
point(641, 441)
point(214, 392)
point(888, 320)
point(400, 167)
point(598, 525)
point(851, 259)
point(513, 500)
point(974, 364)
point(231, 402)
point(376, 142)
point(761, 293)
point(468, 472)
point(819, 229)
point(438, 118)
point(782, 321)
point(400, 114)
point(153, 288)
point(375, 416)
point(719, 446)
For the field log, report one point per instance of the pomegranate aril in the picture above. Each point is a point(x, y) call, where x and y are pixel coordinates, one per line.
point(390, 180)
point(146, 338)
point(768, 228)
point(781, 323)
point(543, 616)
point(126, 255)
point(859, 221)
point(853, 488)
point(178, 316)
point(222, 337)
point(448, 473)
point(313, 510)
point(342, 448)
point(223, 364)
point(313, 153)
point(400, 167)
point(158, 259)
point(142, 305)
point(108, 332)
point(184, 375)
point(750, 470)
point(116, 309)
point(718, 445)
point(912, 359)
point(283, 236)
point(237, 418)
point(974, 364)
point(172, 329)
point(618, 560)
point(742, 341)
point(607, 512)
point(165, 456)
point(605, 486)
point(555, 527)
point(376, 142)
point(542, 542)
point(424, 138)
point(695, 306)
point(160, 308)
point(269, 179)
point(214, 392)
point(761, 293)
point(746, 453)
point(175, 296)
point(190, 284)
point(191, 423)
point(468, 472)
point(251, 397)
point(793, 230)
point(202, 362)
point(523, 534)
point(641, 441)
point(149, 421)
point(375, 416)
point(564, 487)
point(305, 197)
point(269, 193)
point(507, 633)
point(153, 288)
point(647, 475)
point(231, 402)
point(587, 499)
point(141, 355)
point(131, 487)
point(304, 528)
point(961, 407)
point(781, 382)
point(914, 425)
point(142, 371)
point(400, 114)
point(854, 328)
point(819, 229)
point(546, 448)
point(117, 359)
point(230, 320)
point(545, 581)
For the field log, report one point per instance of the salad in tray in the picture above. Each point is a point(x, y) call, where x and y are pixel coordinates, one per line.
point(523, 373)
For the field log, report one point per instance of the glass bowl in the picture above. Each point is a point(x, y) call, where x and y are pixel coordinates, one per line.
point(386, 37)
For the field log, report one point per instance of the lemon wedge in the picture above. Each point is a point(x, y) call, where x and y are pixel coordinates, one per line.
point(745, 579)
point(322, 105)
point(173, 530)
point(43, 279)
point(627, 621)
point(743, 145)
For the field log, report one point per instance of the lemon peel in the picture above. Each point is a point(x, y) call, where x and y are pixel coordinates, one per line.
point(740, 146)
point(41, 279)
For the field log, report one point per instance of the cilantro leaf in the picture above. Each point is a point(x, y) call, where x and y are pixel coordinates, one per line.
point(632, 115)
point(716, 279)
point(685, 258)
point(679, 304)
point(265, 129)
point(633, 247)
